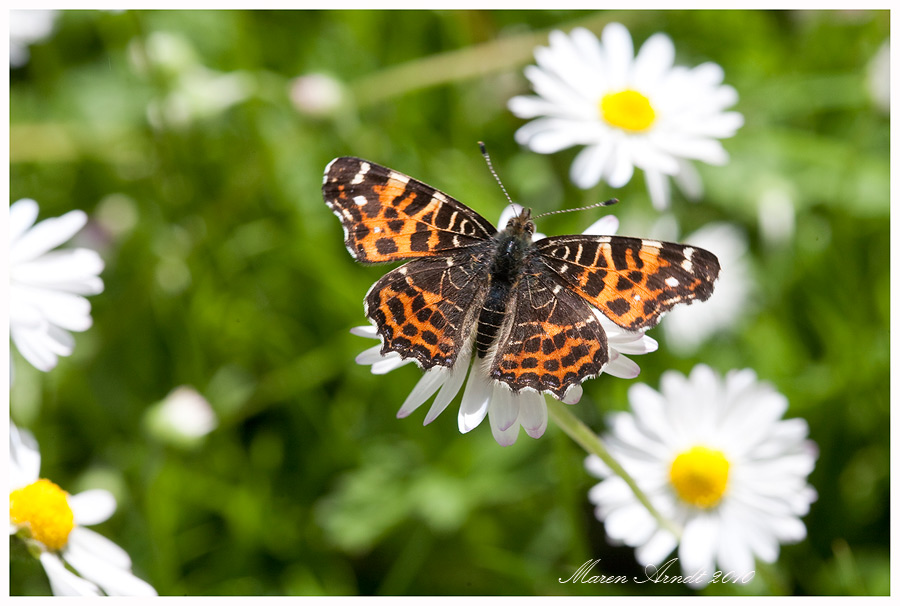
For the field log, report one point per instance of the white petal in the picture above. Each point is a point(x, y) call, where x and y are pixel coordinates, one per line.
point(112, 578)
point(368, 331)
point(620, 170)
point(633, 525)
point(450, 388)
point(92, 506)
point(549, 135)
point(59, 341)
point(72, 270)
point(733, 553)
point(37, 347)
point(370, 356)
point(566, 103)
point(389, 363)
point(64, 582)
point(562, 61)
point(46, 235)
point(381, 364)
point(619, 52)
point(653, 60)
point(655, 550)
point(22, 215)
point(698, 545)
point(72, 312)
point(504, 407)
point(532, 107)
point(475, 400)
point(688, 180)
point(424, 389)
point(505, 437)
point(640, 346)
point(595, 466)
point(622, 367)
point(605, 226)
point(24, 457)
point(533, 413)
point(573, 394)
point(658, 187)
point(85, 540)
point(590, 164)
point(591, 52)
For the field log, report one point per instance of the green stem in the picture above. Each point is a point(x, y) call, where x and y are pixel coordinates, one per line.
point(495, 56)
point(588, 440)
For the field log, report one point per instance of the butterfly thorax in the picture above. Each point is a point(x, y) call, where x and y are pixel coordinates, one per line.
point(510, 255)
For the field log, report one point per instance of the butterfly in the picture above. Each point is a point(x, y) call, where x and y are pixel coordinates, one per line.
point(529, 308)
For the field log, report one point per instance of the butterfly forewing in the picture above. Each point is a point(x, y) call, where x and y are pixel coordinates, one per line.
point(388, 216)
point(632, 281)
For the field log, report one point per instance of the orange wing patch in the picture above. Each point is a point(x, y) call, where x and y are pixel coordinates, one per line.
point(388, 216)
point(632, 281)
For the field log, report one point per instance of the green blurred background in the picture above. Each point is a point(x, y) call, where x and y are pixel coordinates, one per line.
point(225, 271)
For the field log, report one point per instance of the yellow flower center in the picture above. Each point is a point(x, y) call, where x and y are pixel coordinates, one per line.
point(43, 506)
point(628, 110)
point(700, 476)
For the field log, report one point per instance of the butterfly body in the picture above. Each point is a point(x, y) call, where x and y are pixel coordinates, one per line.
point(512, 253)
point(530, 309)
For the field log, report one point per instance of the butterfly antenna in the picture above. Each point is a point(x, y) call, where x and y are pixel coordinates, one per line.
point(609, 202)
point(487, 159)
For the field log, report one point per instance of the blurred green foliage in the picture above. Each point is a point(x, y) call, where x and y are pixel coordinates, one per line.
point(226, 271)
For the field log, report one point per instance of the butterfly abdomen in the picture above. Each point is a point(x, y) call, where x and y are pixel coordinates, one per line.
point(506, 267)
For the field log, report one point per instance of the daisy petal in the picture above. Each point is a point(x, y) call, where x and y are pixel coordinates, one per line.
point(475, 400)
point(64, 582)
point(430, 382)
point(112, 578)
point(450, 389)
point(47, 235)
point(504, 408)
point(533, 413)
point(590, 164)
point(87, 541)
point(22, 215)
point(24, 457)
point(92, 506)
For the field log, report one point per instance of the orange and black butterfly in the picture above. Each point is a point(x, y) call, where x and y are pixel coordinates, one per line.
point(527, 307)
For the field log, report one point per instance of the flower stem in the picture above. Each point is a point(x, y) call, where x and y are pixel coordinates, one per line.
point(588, 440)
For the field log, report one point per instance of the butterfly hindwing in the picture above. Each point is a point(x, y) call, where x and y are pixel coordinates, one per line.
point(551, 339)
point(632, 281)
point(388, 216)
point(424, 309)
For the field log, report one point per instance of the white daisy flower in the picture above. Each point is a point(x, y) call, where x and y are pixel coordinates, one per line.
point(46, 285)
point(629, 111)
point(51, 522)
point(506, 410)
point(715, 458)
